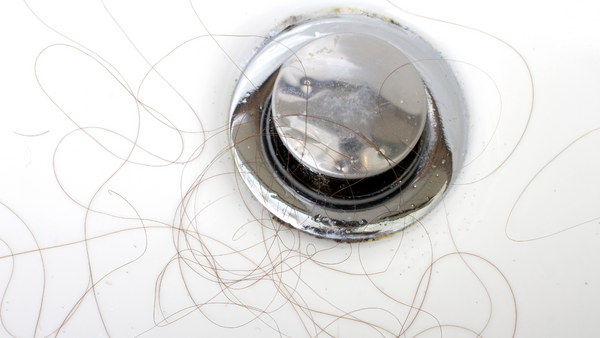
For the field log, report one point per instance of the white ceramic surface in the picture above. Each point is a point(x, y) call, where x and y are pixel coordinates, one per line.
point(94, 243)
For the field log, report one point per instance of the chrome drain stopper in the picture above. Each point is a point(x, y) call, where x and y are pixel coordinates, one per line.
point(347, 127)
point(349, 105)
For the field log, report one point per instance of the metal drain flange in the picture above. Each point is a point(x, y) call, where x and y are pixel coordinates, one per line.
point(347, 127)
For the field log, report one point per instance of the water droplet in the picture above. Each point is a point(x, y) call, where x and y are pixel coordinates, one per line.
point(244, 100)
point(401, 101)
point(443, 161)
point(412, 206)
point(437, 175)
point(260, 107)
point(415, 186)
point(306, 82)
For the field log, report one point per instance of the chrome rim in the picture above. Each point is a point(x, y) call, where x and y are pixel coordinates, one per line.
point(347, 206)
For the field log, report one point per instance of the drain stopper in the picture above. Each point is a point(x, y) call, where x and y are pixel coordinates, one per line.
point(349, 105)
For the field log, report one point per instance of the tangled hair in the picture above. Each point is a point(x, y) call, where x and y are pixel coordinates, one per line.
point(130, 218)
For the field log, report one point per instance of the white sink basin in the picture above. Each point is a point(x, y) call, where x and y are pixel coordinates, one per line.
point(101, 238)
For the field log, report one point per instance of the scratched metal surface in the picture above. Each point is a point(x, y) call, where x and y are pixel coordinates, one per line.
point(94, 243)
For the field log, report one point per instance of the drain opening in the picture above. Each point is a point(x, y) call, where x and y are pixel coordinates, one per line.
point(334, 192)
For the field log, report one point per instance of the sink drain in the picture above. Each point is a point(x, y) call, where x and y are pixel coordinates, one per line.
point(347, 127)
